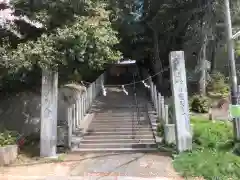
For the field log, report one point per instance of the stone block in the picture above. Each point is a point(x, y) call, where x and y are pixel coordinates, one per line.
point(8, 154)
point(62, 136)
point(169, 133)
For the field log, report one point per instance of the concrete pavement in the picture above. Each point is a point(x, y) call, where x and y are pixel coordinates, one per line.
point(97, 166)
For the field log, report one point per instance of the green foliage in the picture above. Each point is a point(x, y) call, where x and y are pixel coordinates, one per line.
point(7, 138)
point(77, 39)
point(212, 155)
point(199, 104)
point(238, 48)
point(208, 164)
point(211, 135)
point(160, 130)
point(88, 40)
point(126, 18)
point(218, 84)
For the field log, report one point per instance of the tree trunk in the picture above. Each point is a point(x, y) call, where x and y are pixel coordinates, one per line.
point(157, 65)
point(202, 81)
point(213, 55)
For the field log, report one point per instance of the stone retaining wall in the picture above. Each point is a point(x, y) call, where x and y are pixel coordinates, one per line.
point(21, 112)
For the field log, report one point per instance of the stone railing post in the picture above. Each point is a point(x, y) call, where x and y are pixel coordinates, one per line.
point(237, 120)
point(155, 97)
point(159, 105)
point(151, 91)
point(74, 118)
point(166, 114)
point(70, 120)
point(162, 109)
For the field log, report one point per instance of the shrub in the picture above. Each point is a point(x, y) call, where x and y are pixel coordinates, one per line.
point(160, 130)
point(7, 138)
point(218, 84)
point(199, 104)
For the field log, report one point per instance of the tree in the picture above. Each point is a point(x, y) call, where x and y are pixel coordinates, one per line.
point(186, 24)
point(77, 37)
point(126, 19)
point(8, 18)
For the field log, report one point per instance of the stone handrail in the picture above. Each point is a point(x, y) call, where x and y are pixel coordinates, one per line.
point(79, 109)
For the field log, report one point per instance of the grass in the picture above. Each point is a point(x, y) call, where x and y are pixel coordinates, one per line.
point(208, 164)
point(213, 152)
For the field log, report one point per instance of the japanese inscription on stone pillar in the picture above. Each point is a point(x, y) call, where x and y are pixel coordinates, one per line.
point(49, 113)
point(180, 97)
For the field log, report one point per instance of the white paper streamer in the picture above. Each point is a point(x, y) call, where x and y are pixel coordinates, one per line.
point(104, 90)
point(145, 84)
point(124, 90)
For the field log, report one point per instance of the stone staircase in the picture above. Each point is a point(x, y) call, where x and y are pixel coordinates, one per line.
point(115, 127)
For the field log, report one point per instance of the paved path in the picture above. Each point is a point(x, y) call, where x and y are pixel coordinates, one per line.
point(126, 164)
point(101, 166)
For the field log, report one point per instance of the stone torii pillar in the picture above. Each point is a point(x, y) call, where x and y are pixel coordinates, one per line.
point(180, 101)
point(49, 103)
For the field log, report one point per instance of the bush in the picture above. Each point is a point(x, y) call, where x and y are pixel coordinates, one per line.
point(218, 84)
point(160, 130)
point(199, 104)
point(7, 138)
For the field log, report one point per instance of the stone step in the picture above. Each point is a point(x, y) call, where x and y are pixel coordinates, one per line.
point(109, 115)
point(117, 120)
point(128, 130)
point(121, 124)
point(128, 110)
point(111, 129)
point(112, 122)
point(117, 145)
point(112, 108)
point(118, 109)
point(119, 136)
point(104, 141)
point(142, 150)
point(115, 133)
point(119, 115)
point(116, 125)
point(124, 111)
point(123, 118)
point(122, 105)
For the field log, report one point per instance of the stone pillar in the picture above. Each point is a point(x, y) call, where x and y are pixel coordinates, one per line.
point(49, 100)
point(180, 97)
point(237, 120)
